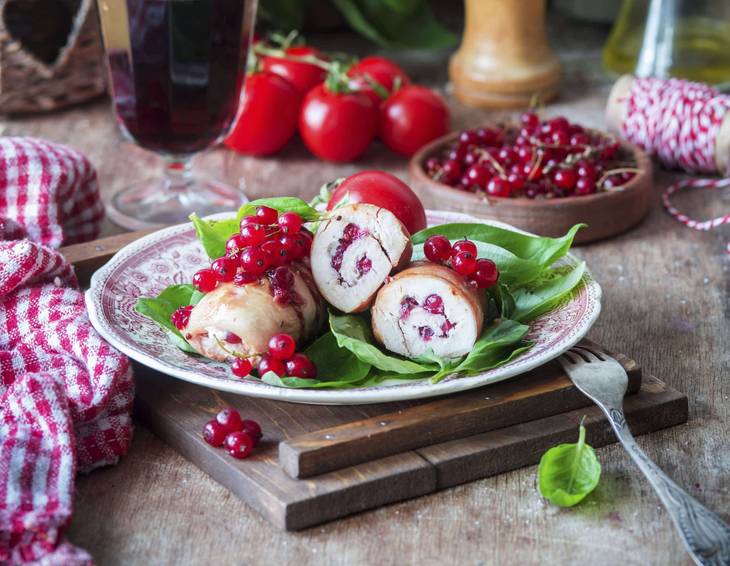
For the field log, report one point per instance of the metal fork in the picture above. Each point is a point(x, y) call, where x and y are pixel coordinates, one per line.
point(604, 380)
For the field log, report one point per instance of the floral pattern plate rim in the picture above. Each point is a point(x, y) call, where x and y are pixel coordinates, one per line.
point(172, 255)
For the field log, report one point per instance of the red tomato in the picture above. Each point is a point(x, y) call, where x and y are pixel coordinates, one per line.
point(411, 118)
point(268, 117)
point(386, 191)
point(304, 76)
point(379, 69)
point(335, 126)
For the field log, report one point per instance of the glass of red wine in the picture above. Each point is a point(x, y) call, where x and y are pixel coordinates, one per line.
point(177, 68)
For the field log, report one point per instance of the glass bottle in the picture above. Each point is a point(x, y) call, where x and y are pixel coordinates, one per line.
point(672, 38)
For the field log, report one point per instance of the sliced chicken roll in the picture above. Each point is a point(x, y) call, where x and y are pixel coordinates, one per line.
point(242, 319)
point(428, 306)
point(353, 253)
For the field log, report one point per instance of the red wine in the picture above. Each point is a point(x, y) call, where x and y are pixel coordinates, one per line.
point(177, 69)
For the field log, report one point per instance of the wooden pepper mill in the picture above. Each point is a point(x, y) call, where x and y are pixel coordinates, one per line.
point(504, 59)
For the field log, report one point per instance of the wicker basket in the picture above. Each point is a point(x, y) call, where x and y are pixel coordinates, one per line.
point(51, 54)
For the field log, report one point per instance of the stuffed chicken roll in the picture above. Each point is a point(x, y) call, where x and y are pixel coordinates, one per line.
point(234, 318)
point(353, 253)
point(428, 306)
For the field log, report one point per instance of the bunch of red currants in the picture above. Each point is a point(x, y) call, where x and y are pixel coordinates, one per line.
point(282, 359)
point(463, 258)
point(239, 436)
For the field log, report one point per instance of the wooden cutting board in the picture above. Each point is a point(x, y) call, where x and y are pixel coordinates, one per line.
point(319, 463)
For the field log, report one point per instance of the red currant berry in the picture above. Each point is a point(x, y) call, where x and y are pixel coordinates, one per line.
point(585, 169)
point(437, 248)
point(291, 245)
point(558, 124)
point(464, 263)
point(498, 187)
point(561, 137)
point(290, 222)
point(282, 346)
point(585, 186)
point(229, 419)
point(516, 181)
point(239, 445)
point(275, 251)
point(564, 179)
point(241, 367)
point(254, 260)
point(579, 139)
point(244, 278)
point(451, 172)
point(282, 277)
point(235, 244)
point(270, 363)
point(299, 365)
point(434, 304)
point(225, 268)
point(507, 156)
point(232, 338)
point(253, 429)
point(181, 316)
point(530, 121)
point(304, 243)
point(253, 234)
point(486, 273)
point(266, 215)
point(205, 280)
point(464, 246)
point(214, 433)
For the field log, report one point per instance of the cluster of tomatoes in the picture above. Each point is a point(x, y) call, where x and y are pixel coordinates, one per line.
point(463, 258)
point(339, 109)
point(239, 436)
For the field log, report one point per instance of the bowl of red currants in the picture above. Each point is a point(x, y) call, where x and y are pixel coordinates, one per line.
point(543, 176)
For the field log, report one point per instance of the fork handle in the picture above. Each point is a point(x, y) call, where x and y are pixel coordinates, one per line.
point(705, 535)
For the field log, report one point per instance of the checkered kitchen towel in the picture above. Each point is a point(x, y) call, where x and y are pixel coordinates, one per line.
point(65, 394)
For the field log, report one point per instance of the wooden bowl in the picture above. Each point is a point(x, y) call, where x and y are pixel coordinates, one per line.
point(606, 213)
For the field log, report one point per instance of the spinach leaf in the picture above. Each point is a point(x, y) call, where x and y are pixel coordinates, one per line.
point(353, 332)
point(160, 308)
point(300, 383)
point(538, 298)
point(213, 234)
point(335, 363)
point(568, 472)
point(544, 251)
point(282, 204)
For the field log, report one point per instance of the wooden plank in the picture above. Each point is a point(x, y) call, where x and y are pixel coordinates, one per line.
point(654, 407)
point(540, 393)
point(87, 257)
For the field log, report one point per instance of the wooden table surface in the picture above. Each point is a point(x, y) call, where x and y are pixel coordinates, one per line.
point(665, 304)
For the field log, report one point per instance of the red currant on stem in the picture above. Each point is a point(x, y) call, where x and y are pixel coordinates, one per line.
point(241, 367)
point(290, 222)
point(498, 187)
point(266, 215)
point(229, 418)
point(205, 280)
point(239, 444)
point(464, 246)
point(253, 429)
point(270, 363)
point(464, 263)
point(214, 433)
point(253, 234)
point(181, 316)
point(225, 268)
point(486, 273)
point(235, 244)
point(299, 365)
point(282, 346)
point(254, 260)
point(437, 248)
point(564, 178)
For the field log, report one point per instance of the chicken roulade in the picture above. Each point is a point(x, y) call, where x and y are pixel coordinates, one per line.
point(428, 306)
point(353, 253)
point(242, 319)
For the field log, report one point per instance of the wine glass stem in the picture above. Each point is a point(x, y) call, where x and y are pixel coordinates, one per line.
point(178, 173)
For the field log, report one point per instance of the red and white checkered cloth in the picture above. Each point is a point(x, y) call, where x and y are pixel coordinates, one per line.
point(65, 394)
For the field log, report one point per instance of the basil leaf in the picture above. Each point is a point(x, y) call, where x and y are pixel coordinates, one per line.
point(281, 204)
point(568, 472)
point(538, 298)
point(335, 363)
point(542, 250)
point(160, 309)
point(213, 234)
point(354, 333)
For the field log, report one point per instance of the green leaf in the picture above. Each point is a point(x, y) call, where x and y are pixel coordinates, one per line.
point(282, 204)
point(410, 24)
point(568, 472)
point(160, 309)
point(282, 14)
point(335, 363)
point(213, 234)
point(540, 297)
point(353, 332)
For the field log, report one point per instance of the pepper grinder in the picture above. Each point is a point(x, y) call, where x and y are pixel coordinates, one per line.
point(504, 60)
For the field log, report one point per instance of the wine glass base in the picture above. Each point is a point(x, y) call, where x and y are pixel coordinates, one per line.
point(155, 203)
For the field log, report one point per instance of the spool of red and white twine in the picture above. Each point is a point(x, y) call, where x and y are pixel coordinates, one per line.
point(683, 124)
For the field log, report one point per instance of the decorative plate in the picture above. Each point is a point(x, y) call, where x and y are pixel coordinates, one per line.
point(172, 255)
